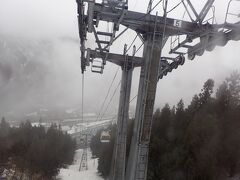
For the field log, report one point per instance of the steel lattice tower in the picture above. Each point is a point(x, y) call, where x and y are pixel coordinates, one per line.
point(154, 31)
point(84, 158)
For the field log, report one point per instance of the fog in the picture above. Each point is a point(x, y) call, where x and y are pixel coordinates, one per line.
point(40, 60)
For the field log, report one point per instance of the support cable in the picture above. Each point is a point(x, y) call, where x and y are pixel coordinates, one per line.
point(140, 18)
point(155, 6)
point(84, 159)
point(149, 6)
point(165, 21)
point(114, 117)
point(114, 93)
point(133, 99)
point(108, 92)
point(132, 43)
point(175, 7)
point(138, 48)
point(184, 12)
point(82, 97)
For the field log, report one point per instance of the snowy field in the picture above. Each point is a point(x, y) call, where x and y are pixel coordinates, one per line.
point(73, 173)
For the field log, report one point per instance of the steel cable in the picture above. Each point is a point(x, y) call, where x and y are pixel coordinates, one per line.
point(108, 92)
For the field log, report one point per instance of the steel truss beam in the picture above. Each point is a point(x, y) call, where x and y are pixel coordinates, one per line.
point(143, 23)
point(117, 58)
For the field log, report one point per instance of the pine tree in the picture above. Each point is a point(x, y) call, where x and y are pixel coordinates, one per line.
point(207, 91)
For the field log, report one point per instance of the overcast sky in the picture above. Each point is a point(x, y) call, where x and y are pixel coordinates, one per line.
point(57, 18)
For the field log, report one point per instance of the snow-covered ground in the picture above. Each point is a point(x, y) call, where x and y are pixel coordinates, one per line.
point(73, 173)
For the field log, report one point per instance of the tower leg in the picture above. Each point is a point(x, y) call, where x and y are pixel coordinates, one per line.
point(138, 159)
point(119, 155)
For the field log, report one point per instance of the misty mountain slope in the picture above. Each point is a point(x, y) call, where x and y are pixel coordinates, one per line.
point(22, 64)
point(22, 60)
point(33, 73)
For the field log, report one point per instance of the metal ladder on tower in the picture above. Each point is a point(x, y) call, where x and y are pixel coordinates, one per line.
point(104, 39)
point(142, 162)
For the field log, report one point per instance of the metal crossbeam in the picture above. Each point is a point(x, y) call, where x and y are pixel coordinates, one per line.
point(141, 23)
point(117, 58)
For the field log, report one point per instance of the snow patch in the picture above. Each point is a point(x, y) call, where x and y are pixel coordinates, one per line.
point(73, 173)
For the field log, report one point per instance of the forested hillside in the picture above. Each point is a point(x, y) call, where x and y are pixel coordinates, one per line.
point(38, 76)
point(201, 141)
point(198, 142)
point(34, 152)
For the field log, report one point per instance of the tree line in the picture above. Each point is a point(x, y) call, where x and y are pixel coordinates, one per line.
point(197, 142)
point(34, 152)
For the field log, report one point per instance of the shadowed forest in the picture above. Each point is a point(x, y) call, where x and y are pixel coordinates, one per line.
point(29, 152)
point(198, 142)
